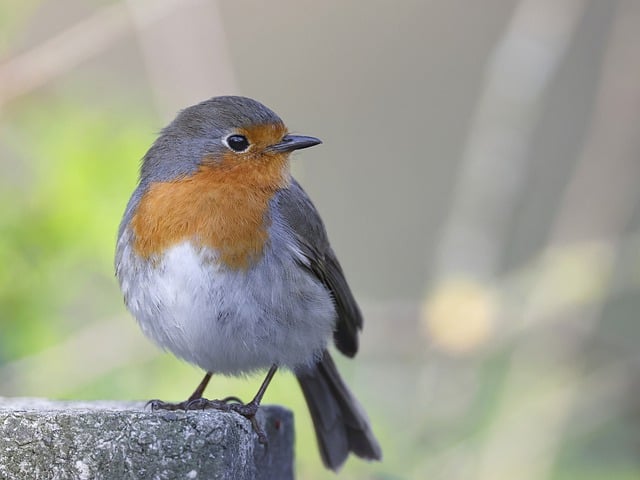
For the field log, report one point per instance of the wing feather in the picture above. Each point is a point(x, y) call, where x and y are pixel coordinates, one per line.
point(305, 223)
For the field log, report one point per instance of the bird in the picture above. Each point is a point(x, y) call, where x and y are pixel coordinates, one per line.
point(224, 261)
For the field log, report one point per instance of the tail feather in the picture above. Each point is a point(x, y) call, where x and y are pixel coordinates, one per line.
point(340, 422)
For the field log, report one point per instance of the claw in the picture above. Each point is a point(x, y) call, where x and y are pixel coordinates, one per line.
point(229, 404)
point(160, 405)
point(247, 410)
point(204, 404)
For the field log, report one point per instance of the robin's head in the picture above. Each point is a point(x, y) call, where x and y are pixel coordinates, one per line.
point(219, 132)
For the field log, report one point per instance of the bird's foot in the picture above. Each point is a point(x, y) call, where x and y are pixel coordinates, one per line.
point(249, 411)
point(232, 404)
point(194, 404)
point(160, 405)
point(228, 404)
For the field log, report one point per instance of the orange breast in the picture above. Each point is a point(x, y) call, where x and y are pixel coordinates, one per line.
point(222, 206)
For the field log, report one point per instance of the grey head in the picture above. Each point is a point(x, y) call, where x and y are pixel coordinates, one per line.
point(200, 131)
point(209, 131)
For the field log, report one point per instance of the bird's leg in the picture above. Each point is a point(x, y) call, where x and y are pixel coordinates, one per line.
point(250, 409)
point(201, 387)
point(195, 396)
point(247, 410)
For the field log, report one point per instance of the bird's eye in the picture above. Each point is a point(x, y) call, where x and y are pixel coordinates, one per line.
point(237, 143)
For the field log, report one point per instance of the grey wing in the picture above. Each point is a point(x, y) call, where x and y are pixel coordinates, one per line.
point(305, 223)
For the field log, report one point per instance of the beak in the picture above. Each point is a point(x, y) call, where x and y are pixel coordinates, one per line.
point(290, 143)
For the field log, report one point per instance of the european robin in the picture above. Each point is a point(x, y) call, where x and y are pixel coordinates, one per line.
point(225, 262)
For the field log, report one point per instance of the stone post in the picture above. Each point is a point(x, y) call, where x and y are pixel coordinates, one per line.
point(42, 439)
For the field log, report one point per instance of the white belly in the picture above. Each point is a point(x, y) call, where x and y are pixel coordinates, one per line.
point(227, 321)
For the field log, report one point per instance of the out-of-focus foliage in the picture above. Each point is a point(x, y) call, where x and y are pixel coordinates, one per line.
point(12, 17)
point(68, 177)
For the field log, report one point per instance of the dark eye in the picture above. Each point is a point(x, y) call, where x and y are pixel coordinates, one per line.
point(237, 143)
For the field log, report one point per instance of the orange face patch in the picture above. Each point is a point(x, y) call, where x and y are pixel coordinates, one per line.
point(222, 206)
point(262, 136)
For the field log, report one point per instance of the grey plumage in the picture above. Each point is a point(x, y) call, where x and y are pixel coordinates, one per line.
point(283, 310)
point(340, 423)
point(309, 231)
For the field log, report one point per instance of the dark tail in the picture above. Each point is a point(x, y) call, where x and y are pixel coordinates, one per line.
point(340, 422)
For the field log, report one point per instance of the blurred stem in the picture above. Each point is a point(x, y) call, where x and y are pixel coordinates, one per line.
point(493, 169)
point(185, 54)
point(589, 210)
point(60, 53)
point(84, 40)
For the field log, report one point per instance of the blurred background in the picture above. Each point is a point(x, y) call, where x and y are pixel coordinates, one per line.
point(478, 178)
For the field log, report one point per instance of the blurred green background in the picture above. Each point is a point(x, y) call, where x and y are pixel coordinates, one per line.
point(479, 179)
